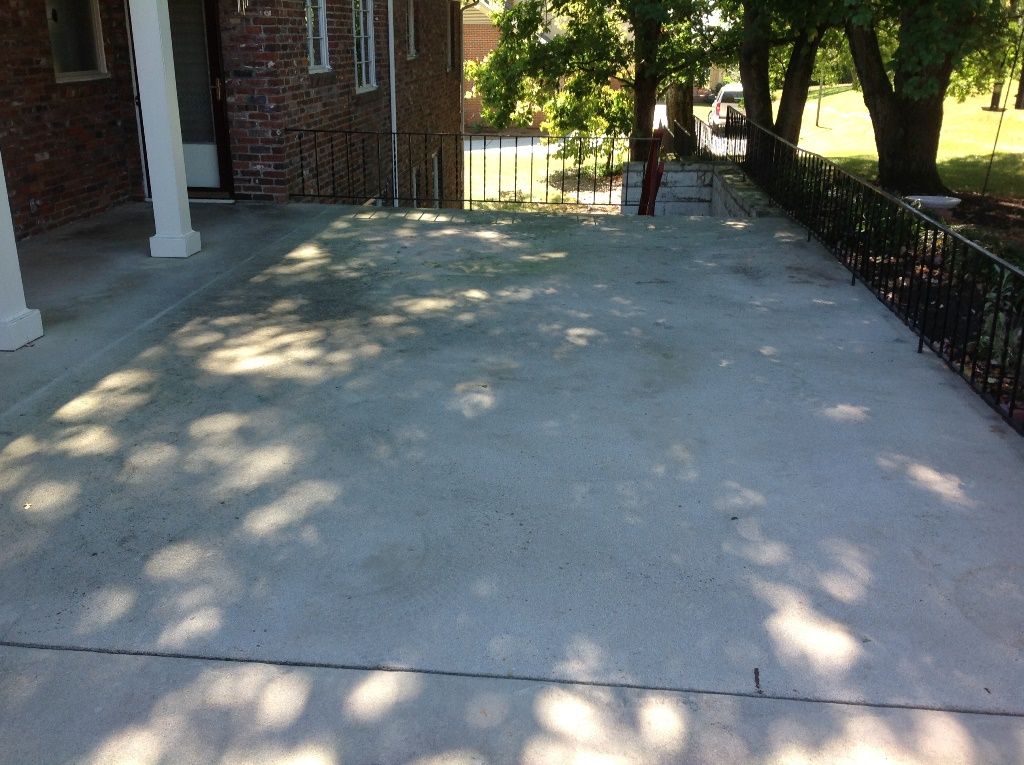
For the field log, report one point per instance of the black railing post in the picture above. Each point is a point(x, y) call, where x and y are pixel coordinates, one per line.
point(913, 277)
point(1017, 382)
point(967, 330)
point(933, 254)
point(992, 340)
point(302, 161)
point(547, 172)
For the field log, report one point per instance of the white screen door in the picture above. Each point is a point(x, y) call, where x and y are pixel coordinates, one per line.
point(195, 93)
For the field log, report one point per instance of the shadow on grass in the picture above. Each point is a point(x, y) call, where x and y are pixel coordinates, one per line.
point(968, 174)
point(960, 173)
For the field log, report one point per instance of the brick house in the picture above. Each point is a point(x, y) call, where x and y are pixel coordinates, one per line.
point(72, 143)
point(105, 101)
point(480, 36)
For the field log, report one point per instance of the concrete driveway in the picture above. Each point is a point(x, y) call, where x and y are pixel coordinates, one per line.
point(365, 487)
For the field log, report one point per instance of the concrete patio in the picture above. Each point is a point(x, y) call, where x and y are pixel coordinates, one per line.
point(362, 486)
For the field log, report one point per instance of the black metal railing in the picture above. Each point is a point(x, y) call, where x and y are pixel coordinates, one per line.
point(690, 141)
point(963, 302)
point(470, 171)
point(703, 145)
point(724, 141)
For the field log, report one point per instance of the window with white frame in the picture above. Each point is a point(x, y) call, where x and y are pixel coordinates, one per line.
point(412, 28)
point(365, 56)
point(76, 39)
point(316, 35)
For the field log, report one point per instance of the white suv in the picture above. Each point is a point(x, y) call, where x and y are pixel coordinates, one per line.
point(731, 94)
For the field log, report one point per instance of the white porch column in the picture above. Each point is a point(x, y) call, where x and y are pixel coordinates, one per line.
point(18, 324)
point(154, 62)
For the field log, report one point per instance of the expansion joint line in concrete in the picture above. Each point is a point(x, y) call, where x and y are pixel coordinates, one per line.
point(565, 681)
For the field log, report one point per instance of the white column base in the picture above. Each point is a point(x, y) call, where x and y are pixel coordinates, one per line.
point(19, 330)
point(175, 246)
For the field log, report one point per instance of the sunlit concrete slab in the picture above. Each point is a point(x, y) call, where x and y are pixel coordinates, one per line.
point(683, 455)
point(109, 710)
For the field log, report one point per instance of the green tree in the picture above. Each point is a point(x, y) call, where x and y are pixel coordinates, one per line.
point(835, 64)
point(779, 37)
point(592, 66)
point(905, 93)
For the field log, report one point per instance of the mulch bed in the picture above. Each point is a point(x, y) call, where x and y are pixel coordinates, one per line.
point(995, 223)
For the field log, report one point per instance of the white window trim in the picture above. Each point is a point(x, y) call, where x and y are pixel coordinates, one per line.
point(411, 41)
point(371, 50)
point(324, 55)
point(100, 73)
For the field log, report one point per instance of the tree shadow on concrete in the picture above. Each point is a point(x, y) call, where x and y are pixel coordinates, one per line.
point(591, 452)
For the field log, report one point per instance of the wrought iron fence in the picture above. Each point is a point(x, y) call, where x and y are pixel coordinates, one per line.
point(703, 139)
point(470, 171)
point(965, 303)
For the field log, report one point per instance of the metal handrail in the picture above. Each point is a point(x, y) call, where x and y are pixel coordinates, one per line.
point(882, 192)
point(963, 301)
point(585, 173)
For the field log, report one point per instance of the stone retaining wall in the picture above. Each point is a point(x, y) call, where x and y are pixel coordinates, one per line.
point(718, 189)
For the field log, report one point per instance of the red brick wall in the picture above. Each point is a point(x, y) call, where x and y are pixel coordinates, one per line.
point(480, 39)
point(270, 89)
point(429, 97)
point(70, 149)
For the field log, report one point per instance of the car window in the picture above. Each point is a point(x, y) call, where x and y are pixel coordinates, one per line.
point(732, 97)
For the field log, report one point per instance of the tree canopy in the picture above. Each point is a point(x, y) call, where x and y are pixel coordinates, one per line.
point(904, 90)
point(592, 66)
point(598, 67)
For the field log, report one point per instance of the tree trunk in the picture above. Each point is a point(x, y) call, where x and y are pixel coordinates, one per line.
point(997, 96)
point(906, 130)
point(794, 89)
point(645, 98)
point(997, 87)
point(679, 106)
point(646, 35)
point(1018, 102)
point(755, 50)
point(907, 163)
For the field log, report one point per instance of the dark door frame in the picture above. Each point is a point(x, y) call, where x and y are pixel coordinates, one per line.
point(220, 117)
point(217, 94)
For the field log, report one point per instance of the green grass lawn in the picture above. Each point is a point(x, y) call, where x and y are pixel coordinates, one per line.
point(521, 174)
point(518, 174)
point(845, 135)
